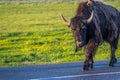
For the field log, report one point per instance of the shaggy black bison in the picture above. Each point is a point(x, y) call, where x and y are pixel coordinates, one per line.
point(94, 23)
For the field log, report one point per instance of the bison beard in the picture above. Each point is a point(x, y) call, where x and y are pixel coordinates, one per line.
point(105, 26)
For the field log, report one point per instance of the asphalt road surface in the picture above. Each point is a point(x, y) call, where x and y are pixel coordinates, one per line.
point(64, 71)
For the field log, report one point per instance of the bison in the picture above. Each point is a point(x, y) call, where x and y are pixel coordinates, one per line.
point(94, 23)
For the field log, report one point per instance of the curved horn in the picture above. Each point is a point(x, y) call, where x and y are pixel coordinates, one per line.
point(65, 21)
point(91, 17)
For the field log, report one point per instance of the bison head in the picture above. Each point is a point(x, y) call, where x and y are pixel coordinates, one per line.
point(78, 27)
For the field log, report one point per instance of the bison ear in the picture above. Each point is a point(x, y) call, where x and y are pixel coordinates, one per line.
point(64, 20)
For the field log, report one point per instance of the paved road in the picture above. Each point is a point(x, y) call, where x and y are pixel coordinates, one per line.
point(65, 71)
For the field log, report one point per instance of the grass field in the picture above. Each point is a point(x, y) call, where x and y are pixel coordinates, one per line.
point(33, 33)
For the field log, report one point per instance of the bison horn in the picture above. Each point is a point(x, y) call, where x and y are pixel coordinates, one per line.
point(65, 21)
point(90, 18)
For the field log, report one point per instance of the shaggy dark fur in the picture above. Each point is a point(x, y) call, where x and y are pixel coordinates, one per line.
point(104, 26)
point(104, 16)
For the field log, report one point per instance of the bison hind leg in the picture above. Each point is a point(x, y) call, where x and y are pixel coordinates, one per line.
point(113, 58)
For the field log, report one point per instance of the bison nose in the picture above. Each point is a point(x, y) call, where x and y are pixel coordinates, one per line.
point(79, 44)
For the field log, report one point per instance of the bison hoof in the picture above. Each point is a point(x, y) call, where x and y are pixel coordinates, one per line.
point(111, 65)
point(91, 66)
point(85, 68)
point(112, 62)
point(115, 60)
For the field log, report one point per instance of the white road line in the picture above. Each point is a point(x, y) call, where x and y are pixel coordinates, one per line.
point(73, 76)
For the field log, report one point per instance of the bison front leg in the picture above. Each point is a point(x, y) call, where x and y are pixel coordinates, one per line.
point(91, 61)
point(88, 63)
point(90, 50)
point(86, 66)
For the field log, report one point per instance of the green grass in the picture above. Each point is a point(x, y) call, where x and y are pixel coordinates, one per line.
point(34, 34)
